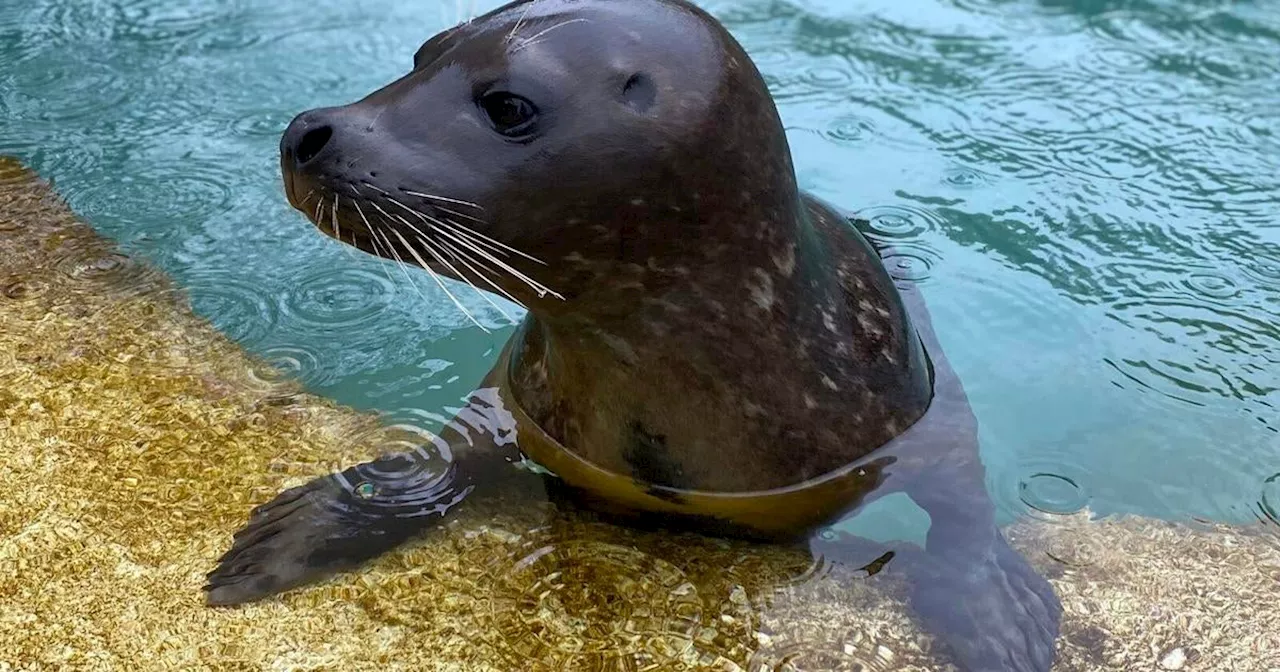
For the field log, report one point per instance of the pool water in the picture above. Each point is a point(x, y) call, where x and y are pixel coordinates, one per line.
point(1089, 192)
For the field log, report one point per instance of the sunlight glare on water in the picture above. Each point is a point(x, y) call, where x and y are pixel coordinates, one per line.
point(1089, 192)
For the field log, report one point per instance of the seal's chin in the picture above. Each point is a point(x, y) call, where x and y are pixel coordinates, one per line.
point(326, 212)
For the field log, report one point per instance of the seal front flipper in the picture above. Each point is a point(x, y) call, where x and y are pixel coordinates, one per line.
point(334, 523)
point(968, 586)
point(993, 613)
point(987, 604)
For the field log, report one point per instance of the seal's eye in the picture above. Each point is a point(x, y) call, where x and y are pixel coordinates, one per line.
point(511, 115)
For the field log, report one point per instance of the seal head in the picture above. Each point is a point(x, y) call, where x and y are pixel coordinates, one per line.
point(598, 132)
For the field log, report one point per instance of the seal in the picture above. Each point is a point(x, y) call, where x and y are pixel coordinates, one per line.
point(705, 344)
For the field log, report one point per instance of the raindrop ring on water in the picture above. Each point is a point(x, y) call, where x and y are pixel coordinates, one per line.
point(125, 275)
point(828, 77)
point(965, 177)
point(238, 309)
point(185, 191)
point(905, 265)
point(1052, 493)
point(849, 130)
point(288, 362)
point(339, 298)
point(19, 289)
point(1266, 271)
point(1212, 286)
point(900, 222)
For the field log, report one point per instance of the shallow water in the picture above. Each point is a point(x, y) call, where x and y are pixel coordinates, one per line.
point(1089, 191)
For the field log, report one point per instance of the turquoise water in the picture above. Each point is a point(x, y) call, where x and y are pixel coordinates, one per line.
point(1088, 190)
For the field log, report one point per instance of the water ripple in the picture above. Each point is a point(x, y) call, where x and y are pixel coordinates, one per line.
point(1229, 362)
point(1050, 492)
point(1211, 286)
point(835, 80)
point(172, 193)
point(267, 122)
point(364, 40)
point(1265, 270)
point(825, 651)
point(339, 298)
point(242, 310)
point(123, 275)
point(302, 363)
point(58, 86)
point(966, 178)
point(901, 222)
point(1117, 60)
point(911, 262)
point(140, 21)
point(19, 289)
point(849, 130)
point(79, 160)
point(1104, 157)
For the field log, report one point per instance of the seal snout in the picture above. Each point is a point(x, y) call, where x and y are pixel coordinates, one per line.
point(305, 139)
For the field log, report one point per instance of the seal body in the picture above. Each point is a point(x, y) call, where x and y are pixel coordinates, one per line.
point(698, 329)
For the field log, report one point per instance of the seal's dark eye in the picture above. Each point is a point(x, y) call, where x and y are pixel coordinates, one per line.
point(511, 115)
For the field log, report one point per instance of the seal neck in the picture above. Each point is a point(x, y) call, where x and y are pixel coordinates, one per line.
point(769, 273)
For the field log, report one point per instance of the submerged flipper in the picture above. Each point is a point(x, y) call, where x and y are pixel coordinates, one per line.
point(333, 523)
point(970, 589)
point(337, 522)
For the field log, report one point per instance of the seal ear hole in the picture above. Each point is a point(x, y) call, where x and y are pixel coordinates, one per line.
point(639, 92)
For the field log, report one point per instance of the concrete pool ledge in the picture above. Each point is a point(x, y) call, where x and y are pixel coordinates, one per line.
point(134, 438)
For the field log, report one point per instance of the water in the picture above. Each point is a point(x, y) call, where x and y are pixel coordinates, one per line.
point(1088, 190)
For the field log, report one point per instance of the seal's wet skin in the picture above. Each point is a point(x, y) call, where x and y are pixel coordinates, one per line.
point(706, 344)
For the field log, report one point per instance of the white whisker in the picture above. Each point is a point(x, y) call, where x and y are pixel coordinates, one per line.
point(433, 197)
point(377, 233)
point(333, 215)
point(461, 257)
point(534, 284)
point(515, 29)
point(375, 188)
point(531, 40)
point(453, 229)
point(432, 273)
point(337, 232)
point(470, 232)
point(439, 224)
point(494, 244)
point(438, 258)
point(458, 214)
point(426, 244)
point(373, 238)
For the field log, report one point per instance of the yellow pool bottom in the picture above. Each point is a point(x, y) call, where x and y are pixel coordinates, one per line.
point(134, 439)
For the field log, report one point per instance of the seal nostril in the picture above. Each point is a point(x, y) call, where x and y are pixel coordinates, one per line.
point(639, 92)
point(312, 142)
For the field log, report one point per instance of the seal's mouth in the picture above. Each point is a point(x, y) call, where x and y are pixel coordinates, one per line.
point(331, 176)
point(415, 228)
